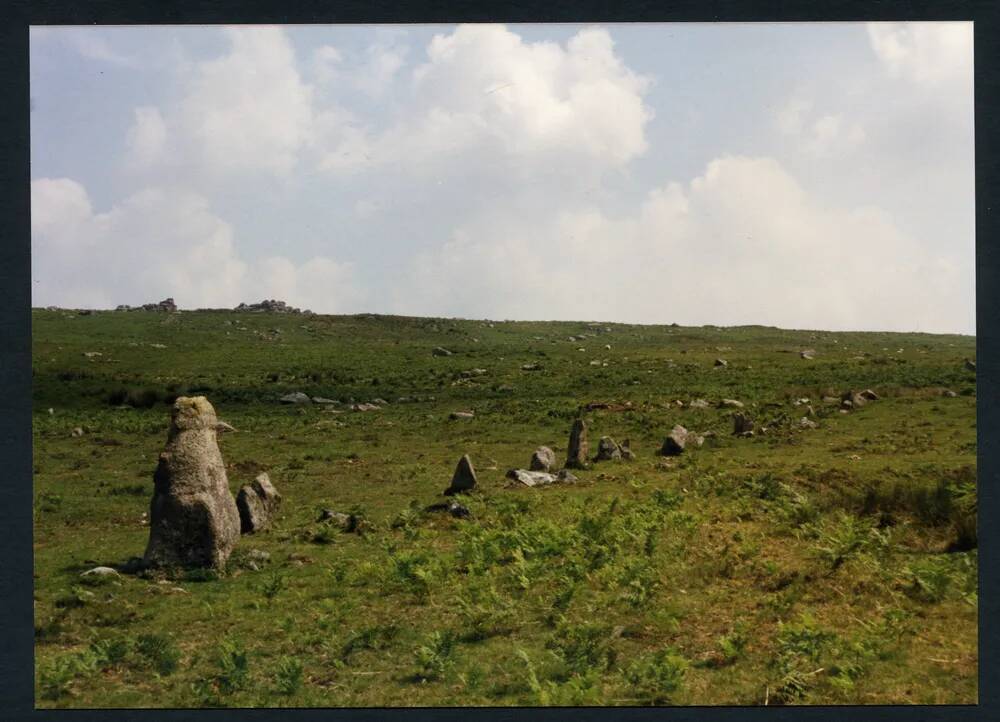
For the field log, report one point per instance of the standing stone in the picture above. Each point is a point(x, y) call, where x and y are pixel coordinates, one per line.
point(607, 449)
point(675, 441)
point(193, 518)
point(543, 459)
point(257, 503)
point(742, 424)
point(576, 455)
point(464, 478)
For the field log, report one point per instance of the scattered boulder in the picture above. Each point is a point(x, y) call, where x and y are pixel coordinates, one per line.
point(347, 522)
point(77, 431)
point(698, 404)
point(565, 476)
point(454, 415)
point(607, 449)
point(626, 450)
point(675, 442)
point(576, 454)
point(742, 424)
point(441, 351)
point(806, 423)
point(946, 392)
point(268, 306)
point(869, 395)
point(459, 511)
point(721, 363)
point(531, 478)
point(296, 397)
point(464, 478)
point(193, 516)
point(531, 367)
point(365, 407)
point(808, 354)
point(257, 503)
point(731, 404)
point(852, 400)
point(970, 365)
point(102, 572)
point(543, 459)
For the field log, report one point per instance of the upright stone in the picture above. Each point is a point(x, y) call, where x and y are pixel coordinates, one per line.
point(742, 424)
point(257, 503)
point(464, 478)
point(674, 444)
point(576, 455)
point(607, 449)
point(543, 459)
point(193, 518)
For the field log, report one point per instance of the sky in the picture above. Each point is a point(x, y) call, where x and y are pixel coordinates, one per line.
point(816, 176)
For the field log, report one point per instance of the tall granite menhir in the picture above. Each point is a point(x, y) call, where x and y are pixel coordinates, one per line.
point(193, 517)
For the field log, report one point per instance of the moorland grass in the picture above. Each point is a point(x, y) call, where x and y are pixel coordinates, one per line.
point(800, 566)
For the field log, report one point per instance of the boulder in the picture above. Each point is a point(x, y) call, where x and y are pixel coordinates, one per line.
point(459, 511)
point(698, 404)
point(626, 450)
point(441, 351)
point(543, 459)
point(464, 478)
point(346, 522)
point(77, 431)
point(531, 367)
point(947, 393)
point(531, 478)
point(869, 395)
point(576, 454)
point(106, 572)
point(607, 449)
point(365, 407)
point(257, 503)
point(852, 400)
point(455, 415)
point(193, 518)
point(296, 397)
point(565, 476)
point(808, 354)
point(806, 423)
point(675, 442)
point(742, 424)
point(322, 400)
point(731, 404)
point(721, 363)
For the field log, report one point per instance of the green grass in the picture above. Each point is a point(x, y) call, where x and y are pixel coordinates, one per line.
point(834, 565)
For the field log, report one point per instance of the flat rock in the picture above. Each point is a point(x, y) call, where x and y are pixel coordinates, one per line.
point(454, 415)
point(731, 404)
point(565, 476)
point(441, 351)
point(531, 478)
point(101, 572)
point(296, 397)
point(322, 400)
point(698, 404)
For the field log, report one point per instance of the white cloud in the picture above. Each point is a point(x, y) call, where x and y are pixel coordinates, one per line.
point(156, 243)
point(485, 96)
point(928, 53)
point(741, 244)
point(248, 110)
point(147, 138)
point(818, 135)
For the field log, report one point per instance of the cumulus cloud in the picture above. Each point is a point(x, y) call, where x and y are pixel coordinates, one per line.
point(160, 242)
point(928, 53)
point(818, 135)
point(147, 138)
point(483, 90)
point(743, 243)
point(247, 110)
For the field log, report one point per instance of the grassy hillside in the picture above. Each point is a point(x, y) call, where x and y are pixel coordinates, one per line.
point(799, 566)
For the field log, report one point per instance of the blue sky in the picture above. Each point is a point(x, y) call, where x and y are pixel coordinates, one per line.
point(798, 175)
